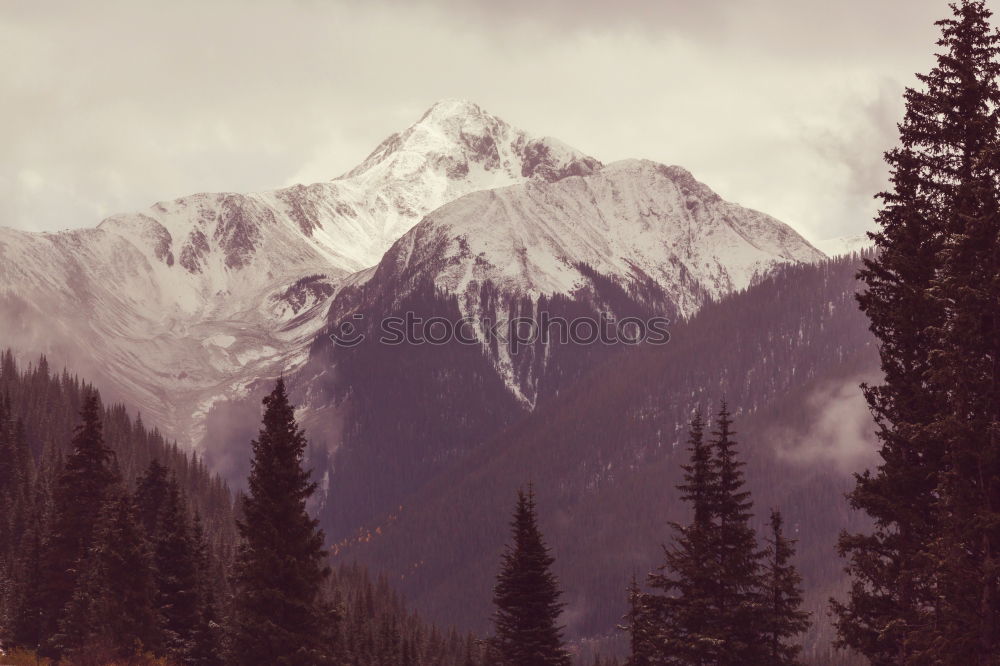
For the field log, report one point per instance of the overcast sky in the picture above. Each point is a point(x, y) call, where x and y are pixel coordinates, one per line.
point(780, 105)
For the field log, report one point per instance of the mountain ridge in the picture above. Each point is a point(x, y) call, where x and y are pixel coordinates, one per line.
point(194, 300)
point(208, 292)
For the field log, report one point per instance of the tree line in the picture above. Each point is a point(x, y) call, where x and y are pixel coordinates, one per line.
point(103, 565)
point(108, 569)
point(720, 596)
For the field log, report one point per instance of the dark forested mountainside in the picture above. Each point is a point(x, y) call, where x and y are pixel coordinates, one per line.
point(788, 354)
point(114, 541)
point(408, 412)
point(145, 560)
point(402, 413)
point(45, 406)
point(377, 627)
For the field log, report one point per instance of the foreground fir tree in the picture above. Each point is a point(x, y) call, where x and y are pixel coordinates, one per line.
point(15, 480)
point(781, 611)
point(738, 586)
point(112, 609)
point(15, 500)
point(279, 617)
point(208, 638)
point(151, 493)
point(683, 610)
point(79, 498)
point(925, 587)
point(964, 562)
point(526, 596)
point(27, 613)
point(176, 576)
point(710, 600)
point(28, 602)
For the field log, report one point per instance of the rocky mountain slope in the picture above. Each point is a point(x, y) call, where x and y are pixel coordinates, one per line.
point(632, 220)
point(190, 301)
point(641, 225)
point(605, 454)
point(633, 239)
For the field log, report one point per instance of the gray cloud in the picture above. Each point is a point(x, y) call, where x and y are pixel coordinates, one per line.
point(782, 105)
point(840, 432)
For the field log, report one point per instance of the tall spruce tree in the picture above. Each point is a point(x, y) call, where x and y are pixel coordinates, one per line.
point(526, 596)
point(924, 580)
point(79, 498)
point(180, 597)
point(711, 587)
point(279, 616)
point(737, 591)
point(111, 612)
point(10, 515)
point(15, 479)
point(29, 618)
point(176, 575)
point(207, 638)
point(683, 613)
point(781, 609)
point(964, 562)
point(151, 490)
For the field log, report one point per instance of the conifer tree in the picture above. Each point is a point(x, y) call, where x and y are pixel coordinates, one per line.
point(11, 515)
point(207, 638)
point(112, 608)
point(151, 493)
point(79, 498)
point(10, 476)
point(710, 587)
point(930, 294)
point(176, 575)
point(638, 625)
point(28, 621)
point(684, 611)
point(737, 589)
point(783, 617)
point(964, 561)
point(526, 596)
point(279, 615)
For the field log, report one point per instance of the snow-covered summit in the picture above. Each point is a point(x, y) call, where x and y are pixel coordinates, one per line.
point(192, 300)
point(651, 228)
point(188, 301)
point(631, 220)
point(456, 147)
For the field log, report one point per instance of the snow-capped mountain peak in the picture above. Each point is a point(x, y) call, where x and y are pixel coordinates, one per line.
point(188, 301)
point(455, 137)
point(192, 300)
point(648, 227)
point(633, 219)
point(454, 148)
